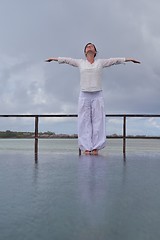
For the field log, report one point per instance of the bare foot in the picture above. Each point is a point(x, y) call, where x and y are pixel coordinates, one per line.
point(95, 152)
point(87, 152)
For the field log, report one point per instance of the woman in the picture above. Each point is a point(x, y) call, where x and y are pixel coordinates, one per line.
point(91, 114)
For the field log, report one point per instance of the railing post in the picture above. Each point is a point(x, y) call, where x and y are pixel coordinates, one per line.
point(36, 135)
point(124, 134)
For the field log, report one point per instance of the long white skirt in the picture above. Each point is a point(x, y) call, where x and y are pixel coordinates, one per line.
point(91, 121)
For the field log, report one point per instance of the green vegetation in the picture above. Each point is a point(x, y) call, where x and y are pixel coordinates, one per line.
point(13, 134)
point(48, 134)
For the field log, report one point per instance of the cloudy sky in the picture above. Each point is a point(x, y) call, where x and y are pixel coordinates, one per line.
point(33, 30)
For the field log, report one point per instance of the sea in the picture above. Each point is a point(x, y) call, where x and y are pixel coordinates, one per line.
point(57, 194)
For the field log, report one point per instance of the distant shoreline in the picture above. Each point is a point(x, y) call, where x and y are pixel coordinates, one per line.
point(52, 135)
point(15, 134)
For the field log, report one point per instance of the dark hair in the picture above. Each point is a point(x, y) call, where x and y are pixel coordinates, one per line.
point(93, 46)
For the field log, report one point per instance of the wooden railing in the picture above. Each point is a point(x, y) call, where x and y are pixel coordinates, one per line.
point(123, 116)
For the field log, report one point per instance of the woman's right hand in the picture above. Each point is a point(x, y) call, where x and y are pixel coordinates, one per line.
point(51, 59)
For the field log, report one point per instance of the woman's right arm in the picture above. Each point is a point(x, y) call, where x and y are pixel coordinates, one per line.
point(70, 61)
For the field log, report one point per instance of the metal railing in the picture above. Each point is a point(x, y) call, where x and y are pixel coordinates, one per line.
point(123, 116)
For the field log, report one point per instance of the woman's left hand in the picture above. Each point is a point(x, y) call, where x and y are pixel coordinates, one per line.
point(132, 60)
point(135, 61)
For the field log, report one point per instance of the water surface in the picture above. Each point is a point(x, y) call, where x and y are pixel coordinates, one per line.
point(66, 196)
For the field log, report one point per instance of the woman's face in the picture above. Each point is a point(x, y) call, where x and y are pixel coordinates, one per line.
point(90, 47)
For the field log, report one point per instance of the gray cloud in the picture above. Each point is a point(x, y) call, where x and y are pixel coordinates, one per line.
point(32, 31)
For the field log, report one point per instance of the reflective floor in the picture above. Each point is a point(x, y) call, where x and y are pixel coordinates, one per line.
point(64, 196)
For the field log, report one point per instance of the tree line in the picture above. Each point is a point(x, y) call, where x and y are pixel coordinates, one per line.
point(48, 134)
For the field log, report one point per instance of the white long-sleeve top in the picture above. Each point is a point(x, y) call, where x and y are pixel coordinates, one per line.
point(91, 74)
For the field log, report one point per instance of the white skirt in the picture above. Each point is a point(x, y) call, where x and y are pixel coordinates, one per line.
point(91, 121)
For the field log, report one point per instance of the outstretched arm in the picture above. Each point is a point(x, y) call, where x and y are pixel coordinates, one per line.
point(70, 61)
point(132, 60)
point(51, 59)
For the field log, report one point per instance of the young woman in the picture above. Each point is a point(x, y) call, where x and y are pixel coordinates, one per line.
point(91, 114)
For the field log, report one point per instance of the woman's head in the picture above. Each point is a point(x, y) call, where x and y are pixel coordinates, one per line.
point(90, 47)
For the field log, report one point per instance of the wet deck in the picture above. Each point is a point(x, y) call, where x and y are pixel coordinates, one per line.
point(66, 196)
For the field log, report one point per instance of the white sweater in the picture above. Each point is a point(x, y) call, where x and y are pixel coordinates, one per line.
point(91, 74)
